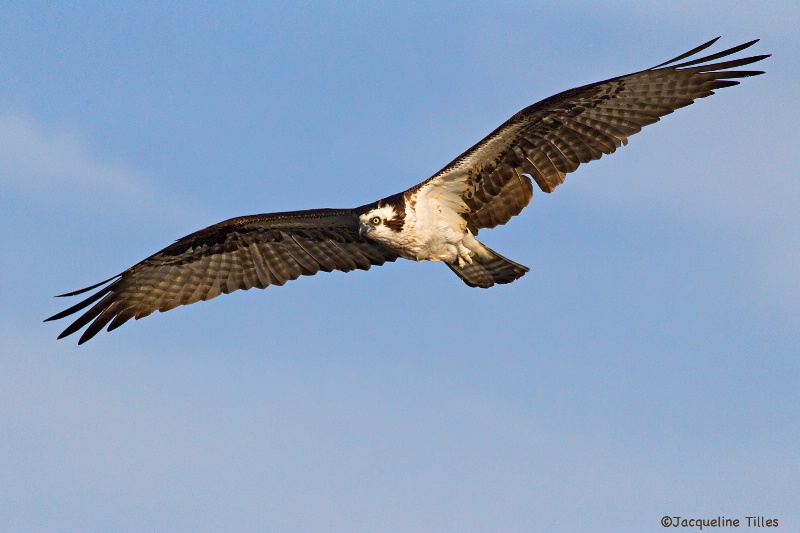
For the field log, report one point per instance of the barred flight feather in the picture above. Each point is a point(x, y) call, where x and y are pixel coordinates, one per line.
point(483, 187)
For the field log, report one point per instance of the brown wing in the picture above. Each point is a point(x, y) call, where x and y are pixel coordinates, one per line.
point(241, 253)
point(549, 139)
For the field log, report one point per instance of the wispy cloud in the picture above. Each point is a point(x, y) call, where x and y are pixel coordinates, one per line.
point(57, 167)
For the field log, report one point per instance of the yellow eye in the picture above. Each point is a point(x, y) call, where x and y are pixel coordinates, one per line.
point(376, 220)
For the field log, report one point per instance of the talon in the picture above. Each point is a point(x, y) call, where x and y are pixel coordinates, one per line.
point(464, 255)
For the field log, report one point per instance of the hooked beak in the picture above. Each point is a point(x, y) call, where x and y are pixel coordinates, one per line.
point(364, 230)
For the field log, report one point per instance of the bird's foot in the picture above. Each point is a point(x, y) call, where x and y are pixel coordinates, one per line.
point(464, 255)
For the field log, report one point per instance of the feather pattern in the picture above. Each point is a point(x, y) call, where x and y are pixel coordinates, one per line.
point(241, 253)
point(551, 138)
point(484, 187)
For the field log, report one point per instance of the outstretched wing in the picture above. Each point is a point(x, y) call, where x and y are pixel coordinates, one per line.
point(240, 253)
point(489, 183)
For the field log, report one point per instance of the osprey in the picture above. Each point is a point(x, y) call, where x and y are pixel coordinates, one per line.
point(436, 220)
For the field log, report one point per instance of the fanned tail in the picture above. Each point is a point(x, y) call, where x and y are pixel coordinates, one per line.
point(485, 272)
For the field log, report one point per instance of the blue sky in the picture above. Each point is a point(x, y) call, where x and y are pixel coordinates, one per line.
point(647, 365)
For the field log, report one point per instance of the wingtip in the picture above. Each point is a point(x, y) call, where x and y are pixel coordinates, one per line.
point(672, 62)
point(746, 45)
point(86, 289)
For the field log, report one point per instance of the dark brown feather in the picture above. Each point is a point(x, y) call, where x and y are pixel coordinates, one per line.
point(486, 272)
point(551, 138)
point(542, 144)
point(240, 253)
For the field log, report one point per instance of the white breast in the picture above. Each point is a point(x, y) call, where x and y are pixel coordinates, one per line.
point(432, 230)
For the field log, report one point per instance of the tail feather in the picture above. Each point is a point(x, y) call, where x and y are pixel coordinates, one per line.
point(485, 272)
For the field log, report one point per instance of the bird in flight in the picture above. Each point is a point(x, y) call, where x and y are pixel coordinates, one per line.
point(436, 220)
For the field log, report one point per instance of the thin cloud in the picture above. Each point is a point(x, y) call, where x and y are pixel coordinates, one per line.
point(57, 167)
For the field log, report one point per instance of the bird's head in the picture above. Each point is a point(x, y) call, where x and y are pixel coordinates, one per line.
point(377, 223)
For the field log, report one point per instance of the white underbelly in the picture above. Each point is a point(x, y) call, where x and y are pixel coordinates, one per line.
point(431, 236)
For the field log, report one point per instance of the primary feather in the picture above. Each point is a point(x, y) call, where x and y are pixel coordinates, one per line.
point(435, 220)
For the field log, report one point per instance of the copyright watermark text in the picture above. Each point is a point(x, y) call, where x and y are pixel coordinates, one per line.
point(719, 521)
